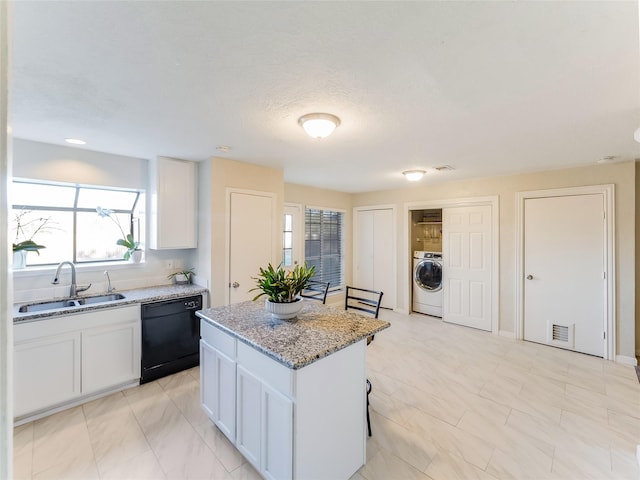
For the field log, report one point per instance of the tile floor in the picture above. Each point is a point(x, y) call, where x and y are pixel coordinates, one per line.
point(448, 403)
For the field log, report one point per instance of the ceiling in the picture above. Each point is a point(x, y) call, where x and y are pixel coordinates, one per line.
point(489, 88)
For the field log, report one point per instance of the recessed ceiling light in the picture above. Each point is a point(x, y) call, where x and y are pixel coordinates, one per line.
point(223, 148)
point(413, 175)
point(75, 141)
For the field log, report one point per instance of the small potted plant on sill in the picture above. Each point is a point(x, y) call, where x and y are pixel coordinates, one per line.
point(134, 252)
point(182, 277)
point(282, 288)
point(27, 228)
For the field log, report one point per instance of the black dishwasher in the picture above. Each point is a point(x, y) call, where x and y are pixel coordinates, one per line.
point(170, 337)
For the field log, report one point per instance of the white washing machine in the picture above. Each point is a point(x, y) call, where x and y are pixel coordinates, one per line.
point(427, 283)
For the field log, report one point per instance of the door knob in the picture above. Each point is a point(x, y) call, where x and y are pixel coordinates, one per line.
point(529, 277)
point(235, 284)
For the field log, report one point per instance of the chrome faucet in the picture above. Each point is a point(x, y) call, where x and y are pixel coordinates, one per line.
point(110, 289)
point(74, 289)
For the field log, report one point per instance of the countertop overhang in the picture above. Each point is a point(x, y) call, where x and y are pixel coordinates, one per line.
point(318, 331)
point(139, 295)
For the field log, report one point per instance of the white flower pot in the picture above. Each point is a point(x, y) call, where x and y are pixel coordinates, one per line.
point(283, 311)
point(136, 256)
point(19, 259)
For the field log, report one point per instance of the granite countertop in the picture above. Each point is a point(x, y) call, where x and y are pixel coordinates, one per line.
point(139, 295)
point(318, 331)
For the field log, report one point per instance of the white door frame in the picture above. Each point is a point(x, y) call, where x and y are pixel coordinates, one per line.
point(494, 202)
point(610, 289)
point(276, 230)
point(394, 236)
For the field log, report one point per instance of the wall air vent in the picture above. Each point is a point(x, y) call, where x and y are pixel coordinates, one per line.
point(444, 168)
point(561, 335)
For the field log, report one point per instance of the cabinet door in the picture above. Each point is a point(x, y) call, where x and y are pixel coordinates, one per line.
point(226, 398)
point(248, 434)
point(46, 372)
point(208, 381)
point(173, 204)
point(218, 388)
point(110, 356)
point(277, 435)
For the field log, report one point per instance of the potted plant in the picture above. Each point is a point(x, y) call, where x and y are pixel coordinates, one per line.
point(27, 229)
point(182, 277)
point(134, 252)
point(282, 288)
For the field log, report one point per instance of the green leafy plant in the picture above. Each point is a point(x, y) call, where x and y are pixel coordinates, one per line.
point(187, 273)
point(280, 285)
point(28, 229)
point(127, 240)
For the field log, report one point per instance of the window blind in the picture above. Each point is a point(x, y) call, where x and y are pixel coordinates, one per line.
point(323, 242)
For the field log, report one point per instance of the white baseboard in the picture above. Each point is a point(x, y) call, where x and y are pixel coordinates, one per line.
point(626, 360)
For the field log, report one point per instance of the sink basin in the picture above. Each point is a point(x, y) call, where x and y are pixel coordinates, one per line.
point(70, 303)
point(37, 307)
point(112, 297)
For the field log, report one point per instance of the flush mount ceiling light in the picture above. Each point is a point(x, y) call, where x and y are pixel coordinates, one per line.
point(75, 141)
point(319, 125)
point(413, 175)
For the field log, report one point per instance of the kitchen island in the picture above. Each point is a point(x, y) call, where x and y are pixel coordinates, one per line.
point(290, 395)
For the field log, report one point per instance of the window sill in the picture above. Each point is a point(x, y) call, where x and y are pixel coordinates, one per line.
point(80, 267)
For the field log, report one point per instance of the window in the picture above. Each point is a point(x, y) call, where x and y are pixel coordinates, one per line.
point(65, 219)
point(287, 241)
point(323, 245)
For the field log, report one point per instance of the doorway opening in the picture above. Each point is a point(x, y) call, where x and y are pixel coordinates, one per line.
point(465, 299)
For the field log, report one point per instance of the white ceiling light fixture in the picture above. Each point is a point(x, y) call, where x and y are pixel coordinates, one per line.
point(413, 175)
point(75, 141)
point(319, 125)
point(636, 135)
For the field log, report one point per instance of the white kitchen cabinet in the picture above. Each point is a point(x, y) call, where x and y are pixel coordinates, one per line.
point(277, 434)
point(46, 372)
point(265, 426)
point(110, 355)
point(249, 438)
point(288, 421)
point(173, 204)
point(59, 361)
point(218, 393)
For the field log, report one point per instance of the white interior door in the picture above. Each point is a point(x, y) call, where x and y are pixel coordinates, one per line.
point(564, 265)
point(292, 236)
point(251, 227)
point(374, 253)
point(466, 266)
point(363, 250)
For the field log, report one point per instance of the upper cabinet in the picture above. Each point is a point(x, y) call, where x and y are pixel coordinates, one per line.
point(173, 191)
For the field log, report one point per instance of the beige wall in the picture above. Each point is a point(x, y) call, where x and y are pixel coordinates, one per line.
point(331, 199)
point(226, 174)
point(623, 175)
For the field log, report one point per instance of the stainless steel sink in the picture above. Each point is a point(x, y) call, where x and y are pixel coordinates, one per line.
point(70, 303)
point(112, 297)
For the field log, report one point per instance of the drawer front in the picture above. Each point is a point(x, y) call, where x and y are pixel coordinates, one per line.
point(218, 339)
point(266, 368)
